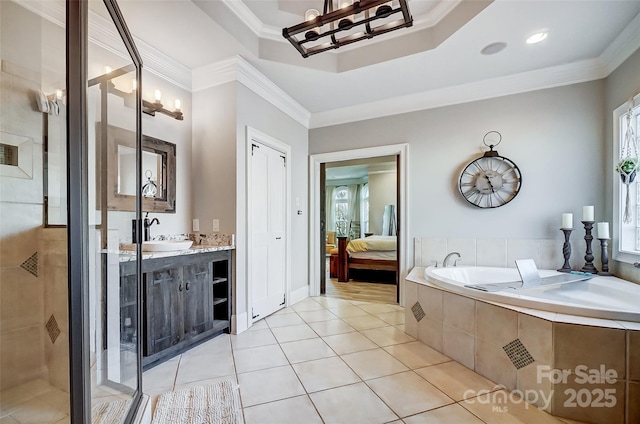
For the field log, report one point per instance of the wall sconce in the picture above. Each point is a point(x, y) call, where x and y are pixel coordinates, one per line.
point(150, 108)
point(157, 106)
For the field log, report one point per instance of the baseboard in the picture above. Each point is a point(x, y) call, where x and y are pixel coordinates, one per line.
point(298, 295)
point(239, 323)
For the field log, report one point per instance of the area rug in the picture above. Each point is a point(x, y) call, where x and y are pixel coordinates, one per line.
point(217, 403)
point(110, 412)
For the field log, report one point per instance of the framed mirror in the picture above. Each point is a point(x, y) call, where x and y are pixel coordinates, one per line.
point(158, 171)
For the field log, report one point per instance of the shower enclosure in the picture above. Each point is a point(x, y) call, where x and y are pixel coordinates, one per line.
point(69, 325)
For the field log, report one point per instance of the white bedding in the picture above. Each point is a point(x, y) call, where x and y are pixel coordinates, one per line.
point(387, 255)
point(372, 243)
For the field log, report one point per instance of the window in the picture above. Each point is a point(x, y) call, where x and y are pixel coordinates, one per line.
point(341, 205)
point(626, 189)
point(365, 207)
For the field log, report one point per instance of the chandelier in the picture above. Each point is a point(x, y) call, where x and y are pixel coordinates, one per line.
point(343, 22)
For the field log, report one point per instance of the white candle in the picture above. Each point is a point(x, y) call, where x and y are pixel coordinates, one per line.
point(587, 213)
point(567, 221)
point(603, 230)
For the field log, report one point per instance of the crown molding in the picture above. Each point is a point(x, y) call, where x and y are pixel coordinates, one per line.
point(556, 76)
point(238, 69)
point(102, 32)
point(624, 45)
point(253, 22)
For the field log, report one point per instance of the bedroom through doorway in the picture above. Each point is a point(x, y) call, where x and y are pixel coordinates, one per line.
point(359, 199)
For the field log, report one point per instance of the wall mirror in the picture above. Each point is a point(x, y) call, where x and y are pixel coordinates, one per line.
point(158, 170)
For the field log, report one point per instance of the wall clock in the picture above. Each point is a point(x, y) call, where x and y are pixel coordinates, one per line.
point(491, 180)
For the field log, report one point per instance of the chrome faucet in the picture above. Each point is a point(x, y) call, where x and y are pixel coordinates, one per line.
point(445, 262)
point(147, 225)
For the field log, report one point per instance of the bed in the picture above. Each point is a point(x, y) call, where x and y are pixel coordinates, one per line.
point(372, 253)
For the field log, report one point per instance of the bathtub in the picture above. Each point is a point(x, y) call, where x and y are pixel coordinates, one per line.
point(599, 297)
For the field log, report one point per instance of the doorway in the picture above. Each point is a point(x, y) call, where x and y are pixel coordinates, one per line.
point(360, 198)
point(318, 240)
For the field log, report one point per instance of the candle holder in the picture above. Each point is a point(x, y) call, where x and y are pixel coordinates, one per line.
point(566, 249)
point(588, 257)
point(604, 256)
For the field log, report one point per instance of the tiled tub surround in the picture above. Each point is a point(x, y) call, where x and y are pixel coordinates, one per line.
point(519, 348)
point(547, 253)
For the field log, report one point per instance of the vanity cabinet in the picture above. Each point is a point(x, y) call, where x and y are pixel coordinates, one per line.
point(186, 299)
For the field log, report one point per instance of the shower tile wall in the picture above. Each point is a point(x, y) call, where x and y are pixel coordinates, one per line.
point(53, 245)
point(22, 293)
point(33, 276)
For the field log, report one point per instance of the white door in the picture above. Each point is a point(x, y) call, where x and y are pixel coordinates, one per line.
point(267, 229)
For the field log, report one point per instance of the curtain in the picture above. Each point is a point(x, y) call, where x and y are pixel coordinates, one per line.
point(330, 209)
point(353, 210)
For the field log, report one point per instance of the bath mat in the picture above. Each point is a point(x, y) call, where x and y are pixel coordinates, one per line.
point(218, 403)
point(110, 412)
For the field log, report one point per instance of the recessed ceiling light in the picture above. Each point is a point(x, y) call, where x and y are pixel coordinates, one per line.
point(493, 48)
point(537, 37)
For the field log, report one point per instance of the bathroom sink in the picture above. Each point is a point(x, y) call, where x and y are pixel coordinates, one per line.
point(166, 245)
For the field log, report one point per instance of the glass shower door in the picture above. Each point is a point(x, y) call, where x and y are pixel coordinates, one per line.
point(113, 129)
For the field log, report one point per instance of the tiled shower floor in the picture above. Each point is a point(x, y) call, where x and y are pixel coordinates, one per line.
point(34, 402)
point(327, 360)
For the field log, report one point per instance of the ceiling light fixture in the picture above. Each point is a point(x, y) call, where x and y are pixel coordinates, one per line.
point(346, 21)
point(537, 37)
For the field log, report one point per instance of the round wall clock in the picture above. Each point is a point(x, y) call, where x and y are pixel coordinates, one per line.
point(491, 180)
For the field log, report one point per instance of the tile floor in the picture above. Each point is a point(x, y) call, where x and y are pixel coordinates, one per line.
point(328, 360)
point(34, 402)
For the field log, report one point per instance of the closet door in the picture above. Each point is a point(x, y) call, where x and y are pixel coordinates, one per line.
point(267, 198)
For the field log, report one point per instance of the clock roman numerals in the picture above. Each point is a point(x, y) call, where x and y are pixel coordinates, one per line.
point(490, 181)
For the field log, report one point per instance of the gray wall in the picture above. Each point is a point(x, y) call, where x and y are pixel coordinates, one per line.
point(382, 192)
point(622, 84)
point(221, 115)
point(213, 171)
point(261, 115)
point(556, 137)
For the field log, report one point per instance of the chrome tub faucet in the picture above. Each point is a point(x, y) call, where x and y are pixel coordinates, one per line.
point(445, 262)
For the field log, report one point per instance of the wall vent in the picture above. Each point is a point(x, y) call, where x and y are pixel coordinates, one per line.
point(8, 155)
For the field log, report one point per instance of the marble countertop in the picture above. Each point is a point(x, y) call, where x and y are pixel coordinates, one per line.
point(129, 255)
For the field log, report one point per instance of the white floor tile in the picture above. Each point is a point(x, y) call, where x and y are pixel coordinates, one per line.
point(205, 367)
point(374, 363)
point(387, 336)
point(258, 358)
point(316, 316)
point(294, 410)
point(325, 374)
point(355, 404)
point(349, 343)
point(250, 339)
point(293, 332)
point(407, 393)
point(335, 326)
point(264, 386)
point(306, 350)
point(283, 320)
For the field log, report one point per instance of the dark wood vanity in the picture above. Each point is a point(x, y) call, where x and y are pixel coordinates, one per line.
point(186, 300)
